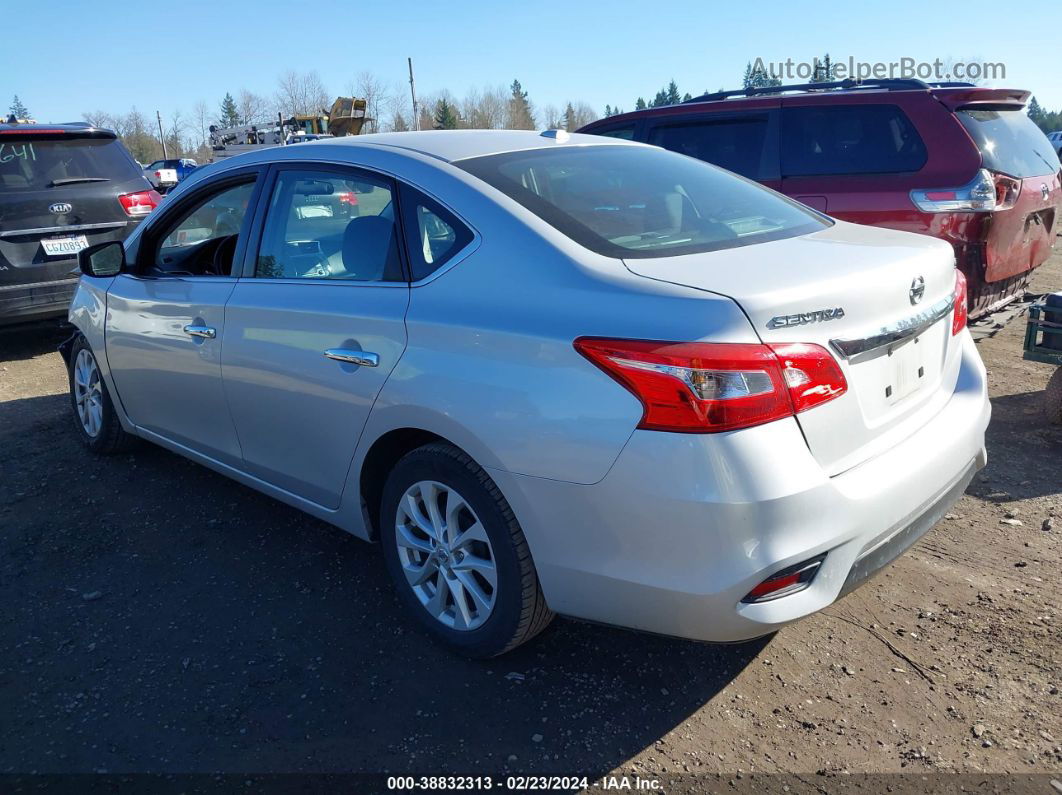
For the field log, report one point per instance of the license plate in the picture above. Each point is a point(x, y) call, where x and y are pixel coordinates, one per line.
point(64, 246)
point(908, 370)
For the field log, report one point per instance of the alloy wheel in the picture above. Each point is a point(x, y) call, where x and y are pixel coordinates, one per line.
point(446, 555)
point(88, 393)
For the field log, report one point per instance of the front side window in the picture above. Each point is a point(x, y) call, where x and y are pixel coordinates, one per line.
point(328, 225)
point(202, 241)
point(434, 234)
point(735, 144)
point(849, 139)
point(640, 201)
point(1010, 142)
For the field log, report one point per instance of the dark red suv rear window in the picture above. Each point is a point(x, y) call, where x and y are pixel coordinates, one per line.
point(849, 139)
point(1010, 142)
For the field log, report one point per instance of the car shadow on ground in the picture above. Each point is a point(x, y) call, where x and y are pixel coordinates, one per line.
point(1024, 451)
point(29, 340)
point(167, 619)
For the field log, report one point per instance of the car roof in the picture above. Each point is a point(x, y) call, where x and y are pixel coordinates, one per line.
point(954, 96)
point(453, 145)
point(78, 128)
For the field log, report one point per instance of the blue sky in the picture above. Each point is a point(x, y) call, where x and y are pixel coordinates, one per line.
point(64, 58)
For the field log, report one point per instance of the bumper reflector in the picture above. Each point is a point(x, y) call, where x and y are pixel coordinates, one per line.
point(788, 581)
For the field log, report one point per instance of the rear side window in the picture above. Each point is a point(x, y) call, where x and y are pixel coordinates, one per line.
point(735, 144)
point(36, 164)
point(849, 139)
point(434, 235)
point(640, 201)
point(1010, 142)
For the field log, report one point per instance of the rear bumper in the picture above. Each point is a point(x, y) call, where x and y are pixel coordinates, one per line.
point(683, 526)
point(22, 302)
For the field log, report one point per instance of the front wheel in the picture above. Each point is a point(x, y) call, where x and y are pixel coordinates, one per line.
point(1053, 398)
point(96, 422)
point(457, 555)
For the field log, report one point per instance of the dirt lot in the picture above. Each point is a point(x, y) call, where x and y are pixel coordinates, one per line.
point(158, 617)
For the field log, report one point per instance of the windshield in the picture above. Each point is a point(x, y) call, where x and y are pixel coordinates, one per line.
point(35, 164)
point(640, 201)
point(1010, 142)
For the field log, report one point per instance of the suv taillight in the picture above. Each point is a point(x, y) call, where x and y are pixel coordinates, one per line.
point(958, 319)
point(987, 193)
point(701, 387)
point(140, 203)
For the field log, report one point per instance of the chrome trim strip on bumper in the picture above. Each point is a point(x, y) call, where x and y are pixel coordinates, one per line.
point(897, 332)
point(33, 285)
point(44, 230)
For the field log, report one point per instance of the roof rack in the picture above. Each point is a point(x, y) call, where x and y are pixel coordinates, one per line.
point(952, 84)
point(888, 85)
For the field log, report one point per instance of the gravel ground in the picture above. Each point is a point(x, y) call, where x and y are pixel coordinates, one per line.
point(160, 618)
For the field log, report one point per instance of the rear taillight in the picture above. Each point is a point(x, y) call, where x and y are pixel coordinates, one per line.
point(987, 192)
point(700, 387)
point(347, 197)
point(958, 319)
point(140, 203)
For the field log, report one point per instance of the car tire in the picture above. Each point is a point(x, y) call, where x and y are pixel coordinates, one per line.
point(1053, 398)
point(95, 420)
point(451, 549)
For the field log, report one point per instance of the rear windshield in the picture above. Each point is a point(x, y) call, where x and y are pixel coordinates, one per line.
point(640, 201)
point(1010, 142)
point(35, 164)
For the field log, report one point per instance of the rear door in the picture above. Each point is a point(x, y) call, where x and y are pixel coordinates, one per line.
point(166, 318)
point(59, 193)
point(315, 326)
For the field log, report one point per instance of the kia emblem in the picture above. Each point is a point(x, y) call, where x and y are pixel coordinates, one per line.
point(60, 208)
point(918, 289)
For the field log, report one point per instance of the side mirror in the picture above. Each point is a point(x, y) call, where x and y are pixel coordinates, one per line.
point(102, 260)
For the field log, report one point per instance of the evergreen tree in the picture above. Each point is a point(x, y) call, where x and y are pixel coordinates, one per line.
point(639, 104)
point(673, 97)
point(569, 118)
point(608, 111)
point(1036, 113)
point(823, 70)
point(660, 99)
point(17, 109)
point(230, 115)
point(521, 116)
point(758, 78)
point(687, 97)
point(445, 116)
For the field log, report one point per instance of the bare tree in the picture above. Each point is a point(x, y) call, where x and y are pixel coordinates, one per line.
point(301, 94)
point(99, 118)
point(377, 95)
point(551, 117)
point(583, 114)
point(253, 108)
point(201, 120)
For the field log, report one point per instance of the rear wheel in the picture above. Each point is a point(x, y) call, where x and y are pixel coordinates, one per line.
point(97, 423)
point(1053, 398)
point(457, 555)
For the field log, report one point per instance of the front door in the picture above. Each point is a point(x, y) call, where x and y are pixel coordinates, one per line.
point(313, 331)
point(166, 319)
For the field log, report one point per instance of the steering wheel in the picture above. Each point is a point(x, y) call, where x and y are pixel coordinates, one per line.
point(221, 263)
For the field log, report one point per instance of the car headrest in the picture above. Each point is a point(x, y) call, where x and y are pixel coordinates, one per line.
point(370, 250)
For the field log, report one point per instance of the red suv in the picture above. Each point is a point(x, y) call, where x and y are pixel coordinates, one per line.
point(952, 160)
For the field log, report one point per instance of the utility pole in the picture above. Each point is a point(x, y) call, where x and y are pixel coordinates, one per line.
point(162, 136)
point(413, 93)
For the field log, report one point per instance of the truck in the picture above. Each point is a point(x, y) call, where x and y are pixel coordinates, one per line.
point(165, 174)
point(347, 116)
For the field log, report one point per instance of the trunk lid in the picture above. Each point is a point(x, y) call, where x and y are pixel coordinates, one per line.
point(858, 292)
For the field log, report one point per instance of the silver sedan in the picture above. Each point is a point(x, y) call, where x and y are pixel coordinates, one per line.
point(547, 373)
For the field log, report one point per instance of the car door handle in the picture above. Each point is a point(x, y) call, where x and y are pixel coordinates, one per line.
point(363, 358)
point(201, 331)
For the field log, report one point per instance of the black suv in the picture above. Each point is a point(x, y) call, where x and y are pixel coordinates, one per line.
point(63, 187)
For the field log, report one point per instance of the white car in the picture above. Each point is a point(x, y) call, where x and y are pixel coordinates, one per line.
point(548, 373)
